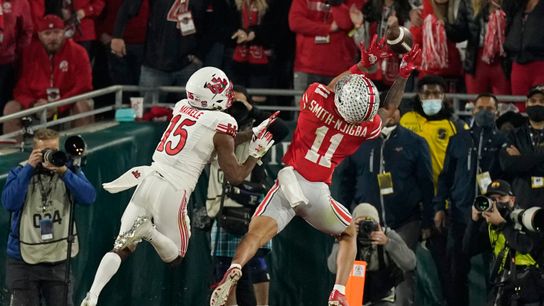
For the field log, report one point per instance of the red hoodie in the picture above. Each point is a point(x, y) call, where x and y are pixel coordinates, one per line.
point(455, 67)
point(70, 70)
point(17, 29)
point(311, 18)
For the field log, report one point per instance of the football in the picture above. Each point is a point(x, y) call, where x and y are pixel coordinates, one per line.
point(399, 40)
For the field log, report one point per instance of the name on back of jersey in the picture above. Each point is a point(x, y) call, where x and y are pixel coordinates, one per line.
point(191, 111)
point(331, 119)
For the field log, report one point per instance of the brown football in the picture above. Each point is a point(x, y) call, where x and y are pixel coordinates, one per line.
point(399, 40)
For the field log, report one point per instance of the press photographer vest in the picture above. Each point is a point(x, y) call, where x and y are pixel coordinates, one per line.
point(57, 208)
point(498, 241)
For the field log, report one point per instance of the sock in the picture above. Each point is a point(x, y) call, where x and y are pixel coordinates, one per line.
point(340, 288)
point(235, 265)
point(165, 247)
point(106, 270)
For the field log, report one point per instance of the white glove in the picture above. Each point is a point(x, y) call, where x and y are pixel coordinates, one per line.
point(260, 145)
point(260, 129)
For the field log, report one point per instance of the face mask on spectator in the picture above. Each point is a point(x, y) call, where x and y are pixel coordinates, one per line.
point(484, 119)
point(387, 130)
point(431, 106)
point(535, 113)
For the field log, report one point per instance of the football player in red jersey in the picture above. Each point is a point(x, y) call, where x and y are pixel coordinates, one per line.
point(334, 120)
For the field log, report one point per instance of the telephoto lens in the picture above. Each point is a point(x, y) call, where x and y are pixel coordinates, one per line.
point(531, 219)
point(482, 204)
point(54, 157)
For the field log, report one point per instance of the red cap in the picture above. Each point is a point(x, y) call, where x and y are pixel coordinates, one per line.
point(49, 22)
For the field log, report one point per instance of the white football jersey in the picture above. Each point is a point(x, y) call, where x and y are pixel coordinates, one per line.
point(187, 144)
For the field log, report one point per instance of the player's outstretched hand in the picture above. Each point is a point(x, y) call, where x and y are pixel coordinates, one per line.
point(377, 50)
point(260, 145)
point(409, 61)
point(259, 130)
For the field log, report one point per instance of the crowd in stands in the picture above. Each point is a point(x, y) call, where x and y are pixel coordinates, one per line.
point(477, 46)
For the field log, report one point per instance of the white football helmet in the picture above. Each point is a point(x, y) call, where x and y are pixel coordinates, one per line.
point(356, 98)
point(209, 88)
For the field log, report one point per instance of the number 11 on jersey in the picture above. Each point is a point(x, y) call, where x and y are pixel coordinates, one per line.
point(313, 154)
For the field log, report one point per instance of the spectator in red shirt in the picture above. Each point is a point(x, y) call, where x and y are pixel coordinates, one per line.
point(16, 34)
point(79, 16)
point(323, 47)
point(53, 68)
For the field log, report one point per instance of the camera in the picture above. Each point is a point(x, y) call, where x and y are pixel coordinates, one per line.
point(531, 218)
point(483, 204)
point(74, 146)
point(54, 157)
point(365, 228)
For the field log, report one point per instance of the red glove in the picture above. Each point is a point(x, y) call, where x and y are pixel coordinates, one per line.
point(409, 61)
point(376, 51)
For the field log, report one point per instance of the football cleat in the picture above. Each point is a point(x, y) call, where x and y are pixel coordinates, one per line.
point(140, 230)
point(337, 299)
point(221, 293)
point(87, 301)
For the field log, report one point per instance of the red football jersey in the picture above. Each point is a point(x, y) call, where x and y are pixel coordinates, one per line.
point(322, 139)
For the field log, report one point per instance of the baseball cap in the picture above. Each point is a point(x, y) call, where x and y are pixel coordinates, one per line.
point(49, 22)
point(499, 187)
point(367, 210)
point(536, 89)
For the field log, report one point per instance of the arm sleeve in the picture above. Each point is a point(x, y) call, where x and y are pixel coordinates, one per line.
point(26, 31)
point(424, 174)
point(81, 189)
point(340, 14)
point(400, 253)
point(476, 239)
point(445, 179)
point(331, 260)
point(517, 165)
point(127, 10)
point(516, 239)
point(301, 24)
point(82, 73)
point(22, 92)
point(14, 193)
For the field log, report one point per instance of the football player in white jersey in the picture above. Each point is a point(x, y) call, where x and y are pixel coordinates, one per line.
point(197, 131)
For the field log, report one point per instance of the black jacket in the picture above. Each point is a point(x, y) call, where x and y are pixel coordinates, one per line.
point(457, 181)
point(522, 168)
point(524, 39)
point(406, 156)
point(165, 48)
point(469, 27)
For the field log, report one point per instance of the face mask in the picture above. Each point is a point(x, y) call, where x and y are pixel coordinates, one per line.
point(535, 113)
point(484, 119)
point(503, 208)
point(431, 106)
point(239, 111)
point(387, 130)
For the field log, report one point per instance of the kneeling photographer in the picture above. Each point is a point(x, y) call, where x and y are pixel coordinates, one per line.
point(510, 234)
point(233, 206)
point(385, 252)
point(40, 195)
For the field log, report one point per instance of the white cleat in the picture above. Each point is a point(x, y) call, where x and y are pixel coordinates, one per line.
point(87, 301)
point(221, 293)
point(140, 230)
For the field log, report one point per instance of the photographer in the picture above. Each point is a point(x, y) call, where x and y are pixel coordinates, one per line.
point(385, 252)
point(515, 275)
point(38, 195)
point(233, 206)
